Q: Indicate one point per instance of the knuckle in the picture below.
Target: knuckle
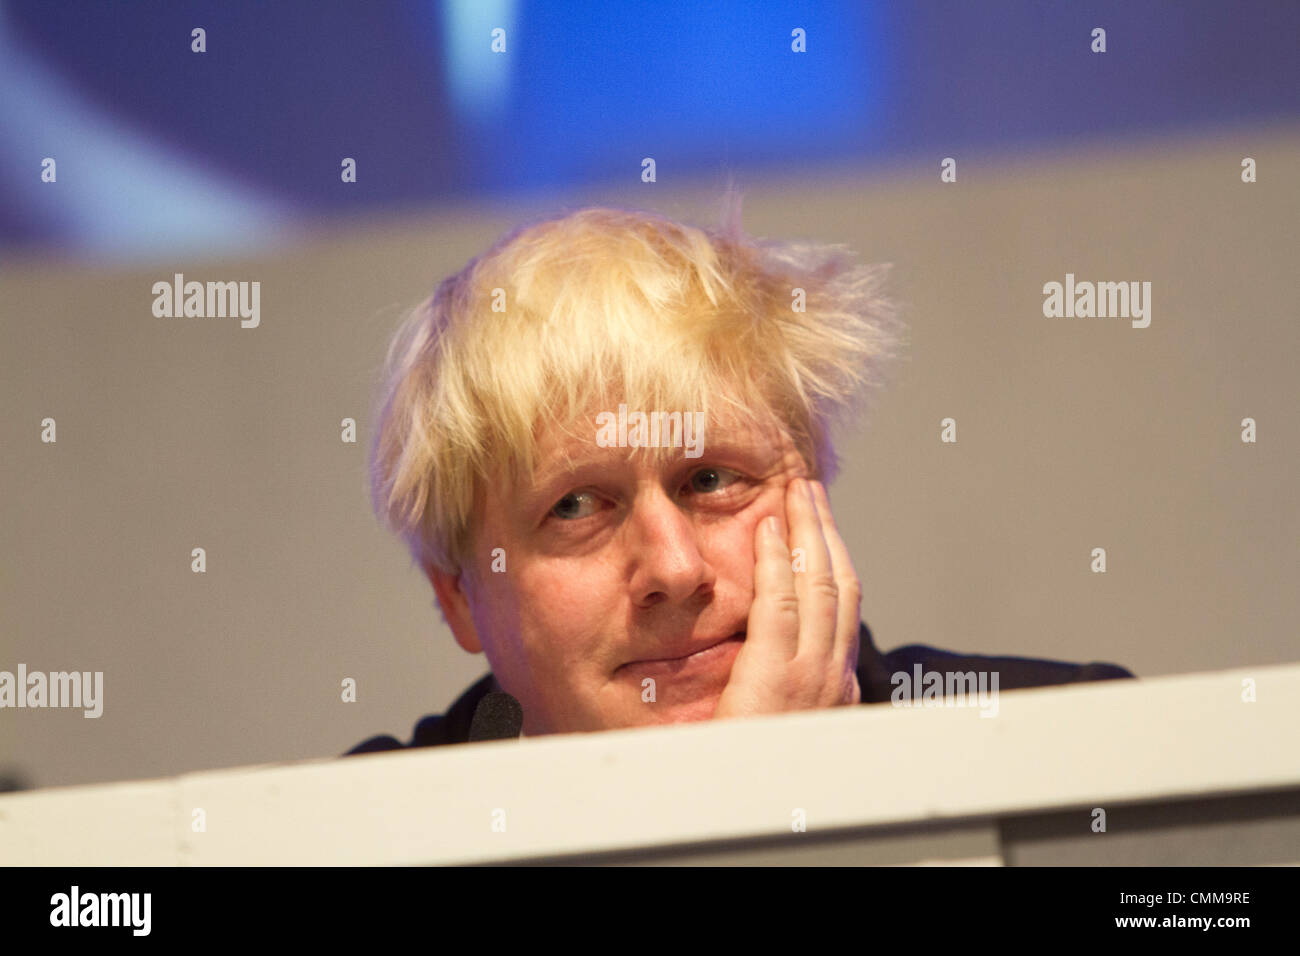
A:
(784, 603)
(824, 585)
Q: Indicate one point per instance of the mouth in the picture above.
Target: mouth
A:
(698, 652)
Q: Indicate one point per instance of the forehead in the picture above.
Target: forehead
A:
(563, 450)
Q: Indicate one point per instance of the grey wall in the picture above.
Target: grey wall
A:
(1072, 434)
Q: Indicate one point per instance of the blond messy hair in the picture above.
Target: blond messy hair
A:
(603, 303)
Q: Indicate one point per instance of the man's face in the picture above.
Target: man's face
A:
(615, 565)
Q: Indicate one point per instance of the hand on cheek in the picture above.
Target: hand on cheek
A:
(801, 646)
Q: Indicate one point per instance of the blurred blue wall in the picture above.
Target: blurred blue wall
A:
(159, 147)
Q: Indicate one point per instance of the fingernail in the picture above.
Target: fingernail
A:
(773, 525)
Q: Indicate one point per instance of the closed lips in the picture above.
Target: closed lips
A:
(698, 649)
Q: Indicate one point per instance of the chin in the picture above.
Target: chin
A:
(694, 711)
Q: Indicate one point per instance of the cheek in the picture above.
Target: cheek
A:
(495, 604)
(564, 602)
(732, 549)
(736, 546)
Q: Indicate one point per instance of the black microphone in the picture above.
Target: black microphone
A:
(498, 716)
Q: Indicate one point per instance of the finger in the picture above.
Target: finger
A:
(774, 616)
(849, 621)
(815, 583)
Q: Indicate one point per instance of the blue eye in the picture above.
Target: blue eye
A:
(716, 474)
(564, 507)
(581, 504)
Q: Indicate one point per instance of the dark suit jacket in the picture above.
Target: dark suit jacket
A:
(875, 671)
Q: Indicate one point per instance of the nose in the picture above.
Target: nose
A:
(664, 551)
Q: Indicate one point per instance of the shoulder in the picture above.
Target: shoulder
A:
(434, 730)
(1012, 672)
(430, 731)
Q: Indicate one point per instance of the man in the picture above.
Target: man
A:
(606, 442)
